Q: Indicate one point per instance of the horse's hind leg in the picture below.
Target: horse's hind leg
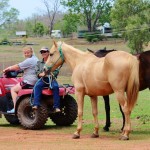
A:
(123, 117)
(95, 115)
(107, 110)
(123, 102)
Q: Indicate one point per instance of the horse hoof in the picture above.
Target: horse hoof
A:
(124, 138)
(94, 135)
(106, 129)
(75, 136)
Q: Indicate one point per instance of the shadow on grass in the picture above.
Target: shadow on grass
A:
(46, 127)
(9, 125)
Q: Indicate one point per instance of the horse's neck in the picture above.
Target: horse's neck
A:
(72, 56)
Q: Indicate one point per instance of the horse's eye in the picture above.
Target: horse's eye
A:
(51, 54)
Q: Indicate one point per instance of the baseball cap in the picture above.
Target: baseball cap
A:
(44, 49)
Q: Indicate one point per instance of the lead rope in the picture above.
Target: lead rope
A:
(50, 77)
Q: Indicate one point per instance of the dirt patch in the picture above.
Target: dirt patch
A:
(18, 138)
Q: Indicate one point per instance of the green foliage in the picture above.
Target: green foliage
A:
(7, 16)
(29, 27)
(38, 29)
(93, 36)
(5, 41)
(131, 18)
(71, 22)
(3, 8)
(92, 10)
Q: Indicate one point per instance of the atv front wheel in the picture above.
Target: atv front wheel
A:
(68, 114)
(32, 119)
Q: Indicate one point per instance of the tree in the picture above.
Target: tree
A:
(71, 22)
(38, 29)
(131, 18)
(7, 15)
(52, 7)
(92, 10)
(3, 7)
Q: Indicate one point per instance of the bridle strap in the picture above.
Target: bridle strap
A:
(61, 56)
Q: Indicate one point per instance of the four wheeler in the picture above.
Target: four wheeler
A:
(36, 119)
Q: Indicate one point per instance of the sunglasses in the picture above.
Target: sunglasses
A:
(43, 52)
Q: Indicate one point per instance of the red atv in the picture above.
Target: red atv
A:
(36, 119)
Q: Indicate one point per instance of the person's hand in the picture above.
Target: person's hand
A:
(7, 69)
(42, 74)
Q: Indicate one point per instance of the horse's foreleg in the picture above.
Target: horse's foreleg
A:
(107, 110)
(95, 115)
(80, 102)
(123, 102)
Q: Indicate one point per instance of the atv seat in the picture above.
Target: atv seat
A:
(31, 87)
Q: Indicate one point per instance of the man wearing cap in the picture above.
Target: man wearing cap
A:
(43, 82)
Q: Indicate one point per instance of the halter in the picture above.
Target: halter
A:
(61, 56)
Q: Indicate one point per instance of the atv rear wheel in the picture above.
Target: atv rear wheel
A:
(32, 119)
(68, 114)
(12, 119)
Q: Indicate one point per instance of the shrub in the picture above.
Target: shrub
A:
(93, 36)
(5, 41)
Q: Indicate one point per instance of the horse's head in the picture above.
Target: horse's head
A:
(56, 57)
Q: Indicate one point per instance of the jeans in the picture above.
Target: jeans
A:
(38, 91)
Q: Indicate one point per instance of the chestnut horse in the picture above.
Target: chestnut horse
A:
(117, 73)
(144, 77)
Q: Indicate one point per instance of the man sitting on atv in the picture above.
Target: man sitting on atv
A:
(45, 81)
(29, 76)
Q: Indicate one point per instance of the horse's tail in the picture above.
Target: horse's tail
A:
(133, 84)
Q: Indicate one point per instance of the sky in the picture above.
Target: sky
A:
(27, 7)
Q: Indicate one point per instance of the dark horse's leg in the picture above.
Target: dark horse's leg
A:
(122, 117)
(107, 110)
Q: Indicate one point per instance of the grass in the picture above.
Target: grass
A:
(139, 121)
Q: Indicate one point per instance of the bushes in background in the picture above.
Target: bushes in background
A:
(93, 36)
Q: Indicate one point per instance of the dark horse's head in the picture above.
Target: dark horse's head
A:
(101, 52)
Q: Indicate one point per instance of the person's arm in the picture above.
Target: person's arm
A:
(39, 70)
(14, 67)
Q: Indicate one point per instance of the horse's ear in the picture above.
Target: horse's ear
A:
(55, 43)
(90, 50)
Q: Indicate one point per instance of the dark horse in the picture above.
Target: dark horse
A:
(144, 77)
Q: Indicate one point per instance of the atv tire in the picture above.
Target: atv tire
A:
(68, 112)
(32, 119)
(12, 119)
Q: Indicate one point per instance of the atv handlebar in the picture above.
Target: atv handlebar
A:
(12, 73)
